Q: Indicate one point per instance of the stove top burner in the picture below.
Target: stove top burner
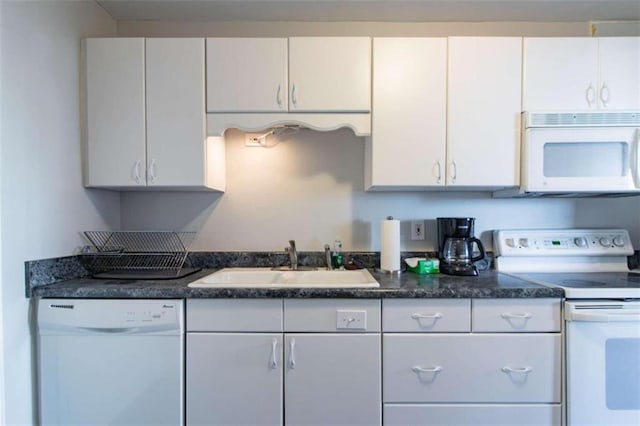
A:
(589, 284)
(582, 283)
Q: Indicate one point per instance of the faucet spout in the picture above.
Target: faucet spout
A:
(293, 254)
(327, 256)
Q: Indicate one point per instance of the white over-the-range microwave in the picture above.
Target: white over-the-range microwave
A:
(573, 154)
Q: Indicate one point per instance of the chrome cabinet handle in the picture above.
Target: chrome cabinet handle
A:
(418, 316)
(522, 370)
(454, 171)
(136, 172)
(605, 94)
(279, 96)
(274, 350)
(418, 369)
(292, 354)
(152, 171)
(590, 95)
(439, 176)
(508, 315)
(294, 95)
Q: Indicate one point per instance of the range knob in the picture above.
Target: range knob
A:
(510, 242)
(605, 242)
(580, 241)
(618, 241)
(524, 242)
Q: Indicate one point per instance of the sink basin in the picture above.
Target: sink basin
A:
(267, 278)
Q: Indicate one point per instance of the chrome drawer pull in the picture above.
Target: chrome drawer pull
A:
(517, 370)
(274, 354)
(426, 316)
(525, 316)
(418, 369)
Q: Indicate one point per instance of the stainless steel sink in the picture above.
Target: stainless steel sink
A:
(268, 278)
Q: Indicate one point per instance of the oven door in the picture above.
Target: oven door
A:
(581, 159)
(603, 363)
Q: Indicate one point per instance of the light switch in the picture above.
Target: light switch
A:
(351, 320)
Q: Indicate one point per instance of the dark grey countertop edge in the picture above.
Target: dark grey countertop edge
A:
(489, 284)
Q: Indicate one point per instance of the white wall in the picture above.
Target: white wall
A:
(44, 206)
(309, 187)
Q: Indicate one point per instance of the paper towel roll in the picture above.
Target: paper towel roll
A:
(390, 245)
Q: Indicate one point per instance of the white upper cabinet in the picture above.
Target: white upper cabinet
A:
(581, 73)
(146, 116)
(330, 74)
(619, 72)
(408, 143)
(116, 130)
(483, 117)
(247, 74)
(326, 74)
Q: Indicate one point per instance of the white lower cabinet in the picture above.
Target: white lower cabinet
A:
(249, 363)
(479, 362)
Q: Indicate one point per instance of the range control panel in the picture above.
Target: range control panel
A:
(562, 242)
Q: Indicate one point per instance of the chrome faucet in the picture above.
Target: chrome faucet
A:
(293, 254)
(327, 256)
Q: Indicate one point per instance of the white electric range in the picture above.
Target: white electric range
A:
(601, 311)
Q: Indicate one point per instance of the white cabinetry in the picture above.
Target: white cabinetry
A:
(479, 368)
(483, 111)
(326, 74)
(238, 359)
(145, 116)
(444, 110)
(408, 134)
(581, 73)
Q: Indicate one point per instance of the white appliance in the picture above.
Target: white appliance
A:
(602, 314)
(579, 154)
(116, 362)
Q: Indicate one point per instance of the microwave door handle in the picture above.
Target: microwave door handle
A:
(635, 160)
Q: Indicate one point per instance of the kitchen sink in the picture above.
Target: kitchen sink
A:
(268, 278)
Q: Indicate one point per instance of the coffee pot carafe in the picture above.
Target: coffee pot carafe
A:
(455, 246)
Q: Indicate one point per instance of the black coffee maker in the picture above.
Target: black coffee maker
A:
(455, 246)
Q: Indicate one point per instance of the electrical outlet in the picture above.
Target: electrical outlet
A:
(417, 229)
(255, 139)
(351, 320)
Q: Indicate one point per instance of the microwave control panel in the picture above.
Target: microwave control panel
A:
(562, 242)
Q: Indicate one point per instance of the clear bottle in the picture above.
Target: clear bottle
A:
(337, 258)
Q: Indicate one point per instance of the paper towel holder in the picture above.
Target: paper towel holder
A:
(391, 272)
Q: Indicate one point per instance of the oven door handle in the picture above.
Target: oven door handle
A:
(604, 317)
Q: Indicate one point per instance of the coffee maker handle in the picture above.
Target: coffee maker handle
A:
(480, 247)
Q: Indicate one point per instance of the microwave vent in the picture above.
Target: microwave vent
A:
(582, 119)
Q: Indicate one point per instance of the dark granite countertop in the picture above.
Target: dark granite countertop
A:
(489, 284)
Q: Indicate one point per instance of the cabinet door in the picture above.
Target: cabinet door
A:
(234, 379)
(330, 74)
(246, 74)
(484, 101)
(407, 148)
(560, 73)
(332, 379)
(115, 112)
(619, 72)
(175, 112)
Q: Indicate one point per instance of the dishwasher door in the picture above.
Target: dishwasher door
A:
(111, 362)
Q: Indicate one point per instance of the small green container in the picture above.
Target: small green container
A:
(425, 266)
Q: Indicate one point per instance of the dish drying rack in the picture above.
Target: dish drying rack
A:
(140, 254)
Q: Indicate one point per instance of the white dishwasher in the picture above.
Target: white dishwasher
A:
(111, 362)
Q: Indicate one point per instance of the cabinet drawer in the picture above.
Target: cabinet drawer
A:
(471, 368)
(257, 315)
(426, 315)
(331, 315)
(515, 315)
(472, 415)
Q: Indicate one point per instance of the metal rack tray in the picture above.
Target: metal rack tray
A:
(140, 254)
